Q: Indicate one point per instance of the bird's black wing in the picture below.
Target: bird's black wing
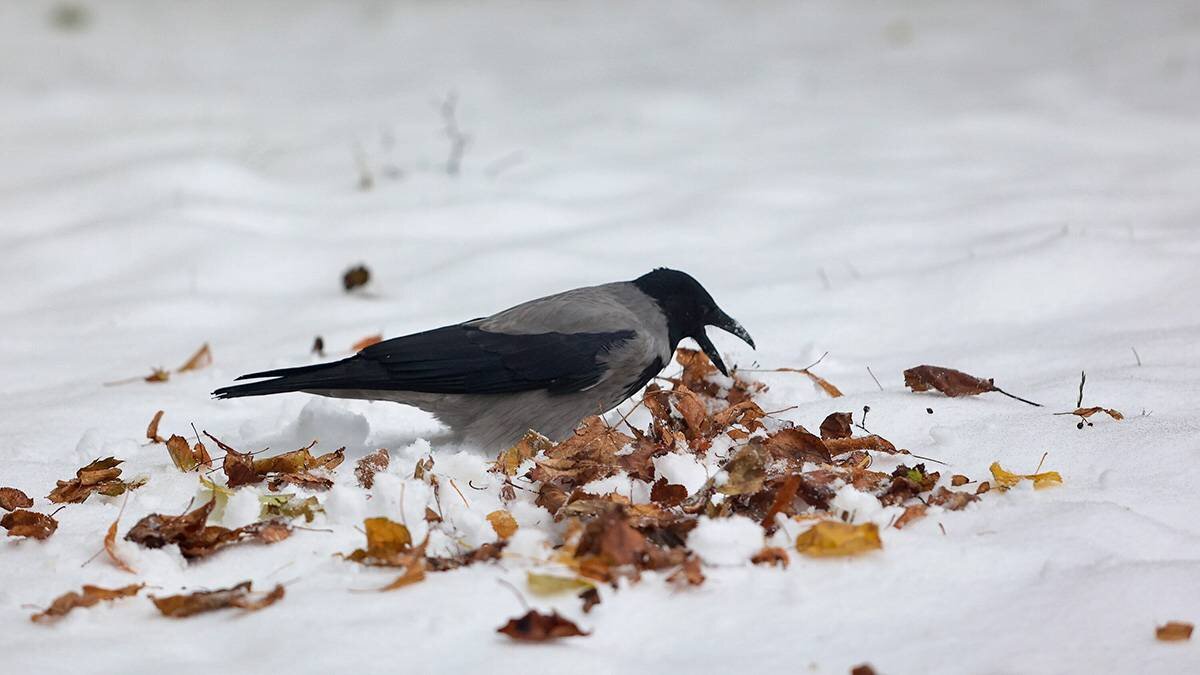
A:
(461, 359)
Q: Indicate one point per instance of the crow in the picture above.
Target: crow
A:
(543, 365)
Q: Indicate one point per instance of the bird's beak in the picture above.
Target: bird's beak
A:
(727, 324)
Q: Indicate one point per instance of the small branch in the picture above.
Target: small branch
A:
(874, 378)
(1082, 381)
(998, 390)
(1137, 356)
(458, 140)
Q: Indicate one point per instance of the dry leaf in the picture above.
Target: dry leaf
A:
(837, 425)
(771, 555)
(91, 595)
(197, 540)
(503, 523)
(366, 342)
(950, 382)
(829, 538)
(356, 277)
(911, 514)
(110, 547)
(689, 573)
(366, 467)
(667, 494)
(538, 627)
(102, 476)
(239, 597)
(388, 544)
(158, 375)
(798, 445)
(12, 499)
(414, 572)
(746, 471)
(22, 523)
(152, 430)
(550, 584)
(530, 445)
(201, 359)
(958, 479)
(1005, 479)
(862, 669)
(838, 446)
(186, 457)
(1174, 631)
(590, 598)
(287, 506)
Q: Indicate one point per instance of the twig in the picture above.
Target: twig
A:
(1137, 356)
(998, 390)
(874, 378)
(1082, 381)
(1041, 462)
(520, 598)
(460, 494)
(929, 459)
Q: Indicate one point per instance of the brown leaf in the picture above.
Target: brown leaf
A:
(611, 541)
(299, 461)
(771, 555)
(185, 457)
(688, 574)
(667, 494)
(388, 544)
(830, 538)
(239, 597)
(530, 445)
(366, 467)
(152, 430)
(366, 342)
(838, 446)
(414, 572)
(110, 547)
(958, 480)
(91, 595)
(1088, 412)
(201, 359)
(837, 425)
(304, 480)
(783, 497)
(1174, 631)
(798, 445)
(22, 523)
(911, 514)
(102, 476)
(983, 487)
(951, 500)
(355, 277)
(195, 539)
(862, 669)
(503, 523)
(12, 499)
(538, 627)
(950, 382)
(746, 470)
(590, 598)
(590, 453)
(158, 375)
(486, 553)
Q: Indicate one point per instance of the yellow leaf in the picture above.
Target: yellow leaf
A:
(830, 538)
(503, 523)
(551, 584)
(1006, 479)
(530, 445)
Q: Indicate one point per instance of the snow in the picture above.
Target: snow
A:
(1006, 189)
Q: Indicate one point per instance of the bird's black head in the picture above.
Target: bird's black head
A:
(689, 308)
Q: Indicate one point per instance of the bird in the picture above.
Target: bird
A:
(543, 365)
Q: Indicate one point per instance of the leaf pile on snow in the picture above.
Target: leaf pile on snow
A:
(102, 475)
(195, 538)
(291, 468)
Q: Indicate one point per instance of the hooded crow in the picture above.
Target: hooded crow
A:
(544, 365)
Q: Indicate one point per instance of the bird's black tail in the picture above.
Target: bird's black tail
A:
(319, 376)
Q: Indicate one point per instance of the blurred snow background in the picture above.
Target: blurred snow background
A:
(1005, 187)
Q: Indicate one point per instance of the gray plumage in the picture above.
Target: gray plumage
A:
(545, 364)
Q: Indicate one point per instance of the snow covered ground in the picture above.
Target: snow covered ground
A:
(1006, 188)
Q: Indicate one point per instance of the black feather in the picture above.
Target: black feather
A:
(461, 359)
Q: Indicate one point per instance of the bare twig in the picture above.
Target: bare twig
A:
(1082, 381)
(874, 378)
(1137, 356)
(458, 140)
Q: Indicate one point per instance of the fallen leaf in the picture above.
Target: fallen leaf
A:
(288, 506)
(911, 514)
(958, 479)
(862, 669)
(829, 538)
(746, 471)
(983, 487)
(1085, 413)
(489, 552)
(186, 457)
(201, 359)
(12, 499)
(1006, 479)
(771, 555)
(90, 595)
(551, 584)
(414, 572)
(366, 467)
(110, 547)
(590, 453)
(356, 277)
(838, 446)
(950, 382)
(388, 544)
(152, 430)
(196, 539)
(538, 627)
(366, 342)
(530, 445)
(951, 500)
(798, 445)
(1174, 631)
(239, 597)
(503, 523)
(102, 475)
(158, 375)
(590, 598)
(22, 523)
(837, 425)
(667, 494)
(689, 573)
